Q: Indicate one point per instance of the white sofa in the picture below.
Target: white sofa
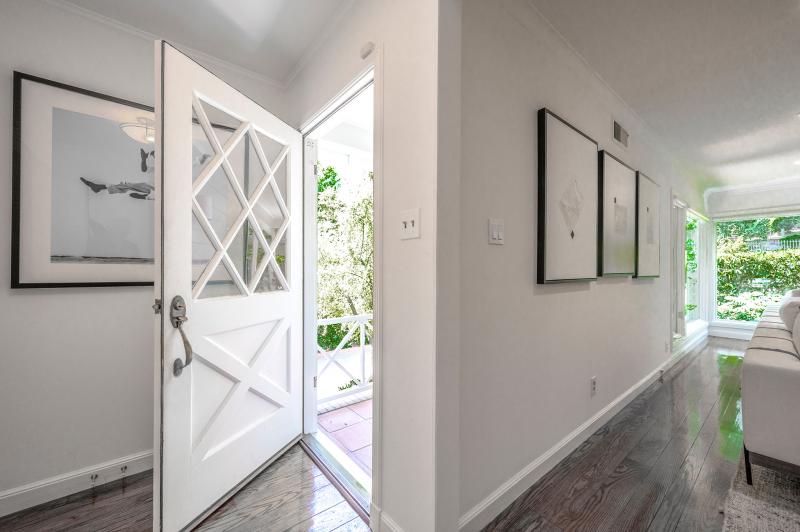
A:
(771, 396)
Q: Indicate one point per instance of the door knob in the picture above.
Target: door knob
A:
(177, 316)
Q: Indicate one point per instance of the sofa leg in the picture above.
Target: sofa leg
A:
(747, 469)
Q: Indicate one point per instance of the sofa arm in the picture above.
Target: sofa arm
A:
(771, 404)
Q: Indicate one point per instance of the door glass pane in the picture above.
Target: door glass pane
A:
(246, 252)
(268, 213)
(281, 255)
(222, 123)
(281, 178)
(219, 203)
(202, 250)
(246, 165)
(270, 282)
(272, 148)
(202, 152)
(220, 284)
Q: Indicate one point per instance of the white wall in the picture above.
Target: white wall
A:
(406, 36)
(529, 351)
(76, 378)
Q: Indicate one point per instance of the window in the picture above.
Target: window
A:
(758, 260)
(689, 270)
(691, 267)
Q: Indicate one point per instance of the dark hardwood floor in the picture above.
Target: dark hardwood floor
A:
(292, 494)
(665, 462)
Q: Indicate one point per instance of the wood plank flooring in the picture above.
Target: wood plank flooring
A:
(665, 462)
(292, 494)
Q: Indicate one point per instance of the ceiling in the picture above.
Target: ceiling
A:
(268, 37)
(717, 80)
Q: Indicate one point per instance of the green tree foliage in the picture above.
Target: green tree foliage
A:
(345, 257)
(748, 281)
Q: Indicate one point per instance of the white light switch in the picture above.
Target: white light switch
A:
(497, 230)
(409, 224)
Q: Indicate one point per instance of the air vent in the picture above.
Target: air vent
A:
(620, 134)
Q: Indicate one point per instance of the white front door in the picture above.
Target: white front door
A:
(229, 195)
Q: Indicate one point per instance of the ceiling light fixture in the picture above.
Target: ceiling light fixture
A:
(143, 130)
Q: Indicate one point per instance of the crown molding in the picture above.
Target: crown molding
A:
(201, 56)
(748, 188)
(313, 49)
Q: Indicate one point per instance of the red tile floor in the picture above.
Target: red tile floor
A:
(350, 427)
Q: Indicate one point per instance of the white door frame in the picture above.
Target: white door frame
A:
(371, 73)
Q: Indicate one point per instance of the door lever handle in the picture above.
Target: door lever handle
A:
(177, 316)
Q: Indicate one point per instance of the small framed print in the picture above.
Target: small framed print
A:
(82, 186)
(648, 228)
(617, 217)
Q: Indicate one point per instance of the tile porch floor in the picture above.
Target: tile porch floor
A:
(350, 427)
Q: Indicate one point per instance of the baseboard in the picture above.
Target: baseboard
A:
(482, 513)
(380, 522)
(737, 330)
(35, 493)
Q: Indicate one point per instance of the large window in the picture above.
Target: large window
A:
(758, 260)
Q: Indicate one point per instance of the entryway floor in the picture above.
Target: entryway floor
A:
(664, 462)
(292, 495)
(350, 428)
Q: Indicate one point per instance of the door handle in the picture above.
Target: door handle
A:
(177, 315)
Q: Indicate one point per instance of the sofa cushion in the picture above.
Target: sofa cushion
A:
(790, 308)
(796, 334)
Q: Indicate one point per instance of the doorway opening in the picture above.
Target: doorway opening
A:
(339, 184)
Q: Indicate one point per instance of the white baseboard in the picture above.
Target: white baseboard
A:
(480, 515)
(19, 498)
(380, 522)
(738, 330)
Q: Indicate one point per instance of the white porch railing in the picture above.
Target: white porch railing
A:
(770, 245)
(342, 359)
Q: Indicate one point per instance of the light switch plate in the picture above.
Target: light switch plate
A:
(409, 224)
(497, 231)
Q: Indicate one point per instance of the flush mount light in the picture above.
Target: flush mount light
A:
(797, 163)
(143, 130)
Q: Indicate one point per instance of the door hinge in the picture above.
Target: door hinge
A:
(157, 307)
(315, 382)
(316, 169)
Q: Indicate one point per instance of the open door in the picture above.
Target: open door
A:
(229, 353)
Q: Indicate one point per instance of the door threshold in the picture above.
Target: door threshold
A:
(352, 489)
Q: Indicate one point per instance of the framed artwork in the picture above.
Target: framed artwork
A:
(567, 202)
(616, 216)
(648, 228)
(82, 187)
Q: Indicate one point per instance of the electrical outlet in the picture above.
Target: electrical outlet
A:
(594, 386)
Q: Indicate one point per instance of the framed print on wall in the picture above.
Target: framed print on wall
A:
(567, 202)
(82, 187)
(616, 234)
(648, 228)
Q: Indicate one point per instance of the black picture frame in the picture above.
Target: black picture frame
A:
(16, 180)
(637, 275)
(600, 213)
(541, 215)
